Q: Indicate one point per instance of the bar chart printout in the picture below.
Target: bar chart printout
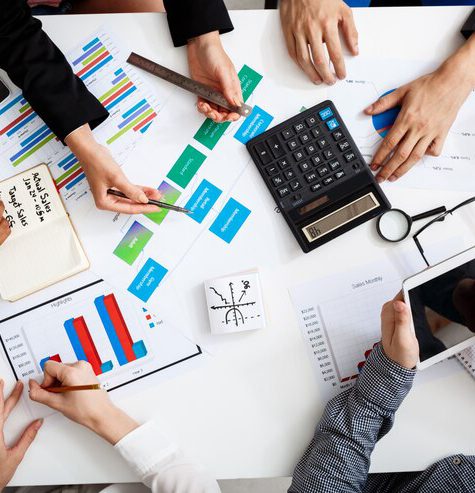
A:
(93, 323)
(25, 140)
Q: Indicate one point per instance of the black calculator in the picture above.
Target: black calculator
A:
(316, 174)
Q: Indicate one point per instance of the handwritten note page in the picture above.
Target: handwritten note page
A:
(42, 247)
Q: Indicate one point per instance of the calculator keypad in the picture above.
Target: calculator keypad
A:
(308, 155)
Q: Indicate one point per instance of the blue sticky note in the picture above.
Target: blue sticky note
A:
(332, 124)
(230, 220)
(253, 125)
(200, 203)
(147, 280)
(325, 113)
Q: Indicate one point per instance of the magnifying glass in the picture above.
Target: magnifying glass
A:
(395, 225)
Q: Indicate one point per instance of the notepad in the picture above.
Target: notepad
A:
(235, 303)
(467, 359)
(43, 247)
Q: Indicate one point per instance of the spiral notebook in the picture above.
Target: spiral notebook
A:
(467, 359)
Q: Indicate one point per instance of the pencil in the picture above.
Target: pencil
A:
(72, 388)
(158, 203)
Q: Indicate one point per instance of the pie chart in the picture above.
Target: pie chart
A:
(383, 122)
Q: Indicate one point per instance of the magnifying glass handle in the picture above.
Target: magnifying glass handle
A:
(430, 213)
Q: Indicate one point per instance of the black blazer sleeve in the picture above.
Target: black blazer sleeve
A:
(469, 27)
(36, 65)
(190, 18)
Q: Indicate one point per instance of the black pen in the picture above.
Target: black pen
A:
(162, 205)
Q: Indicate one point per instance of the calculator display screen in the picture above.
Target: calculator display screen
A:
(341, 216)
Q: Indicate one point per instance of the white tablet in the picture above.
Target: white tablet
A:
(442, 304)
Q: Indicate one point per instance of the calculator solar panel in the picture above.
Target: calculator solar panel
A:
(317, 175)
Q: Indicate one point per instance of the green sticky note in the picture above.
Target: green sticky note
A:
(133, 243)
(249, 79)
(186, 166)
(210, 132)
(169, 195)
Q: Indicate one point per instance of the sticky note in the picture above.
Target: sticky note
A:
(170, 195)
(202, 200)
(147, 280)
(253, 125)
(133, 243)
(186, 166)
(230, 220)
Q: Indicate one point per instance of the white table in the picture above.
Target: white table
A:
(252, 408)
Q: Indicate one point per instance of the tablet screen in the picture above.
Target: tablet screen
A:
(443, 310)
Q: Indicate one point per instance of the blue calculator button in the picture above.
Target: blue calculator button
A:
(332, 124)
(325, 113)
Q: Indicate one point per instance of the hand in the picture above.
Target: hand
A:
(103, 173)
(210, 65)
(4, 225)
(399, 340)
(90, 408)
(429, 106)
(10, 458)
(310, 23)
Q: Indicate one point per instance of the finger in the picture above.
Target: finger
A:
(350, 33)
(386, 102)
(133, 192)
(23, 444)
(402, 320)
(320, 60)
(400, 156)
(124, 206)
(12, 400)
(38, 394)
(152, 193)
(231, 86)
(387, 322)
(304, 60)
(389, 144)
(2, 208)
(416, 155)
(436, 146)
(203, 107)
(332, 40)
(399, 296)
(290, 42)
(2, 399)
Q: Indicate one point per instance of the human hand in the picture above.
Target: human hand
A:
(4, 225)
(310, 23)
(10, 458)
(90, 408)
(429, 106)
(103, 172)
(209, 64)
(399, 340)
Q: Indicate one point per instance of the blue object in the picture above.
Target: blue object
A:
(139, 349)
(110, 330)
(253, 125)
(332, 124)
(147, 280)
(202, 200)
(74, 340)
(325, 113)
(230, 220)
(96, 68)
(107, 366)
(120, 98)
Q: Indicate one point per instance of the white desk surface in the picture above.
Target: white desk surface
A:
(252, 408)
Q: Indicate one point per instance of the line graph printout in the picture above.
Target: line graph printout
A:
(367, 81)
(339, 317)
(93, 322)
(25, 140)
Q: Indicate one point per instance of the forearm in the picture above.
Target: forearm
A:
(462, 64)
(338, 457)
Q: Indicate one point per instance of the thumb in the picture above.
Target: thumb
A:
(387, 323)
(402, 319)
(26, 439)
(133, 192)
(385, 102)
(39, 394)
(231, 87)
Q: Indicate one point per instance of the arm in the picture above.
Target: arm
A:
(160, 464)
(198, 24)
(338, 456)
(429, 106)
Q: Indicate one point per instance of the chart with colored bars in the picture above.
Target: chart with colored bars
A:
(25, 140)
(199, 167)
(370, 80)
(121, 340)
(339, 318)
